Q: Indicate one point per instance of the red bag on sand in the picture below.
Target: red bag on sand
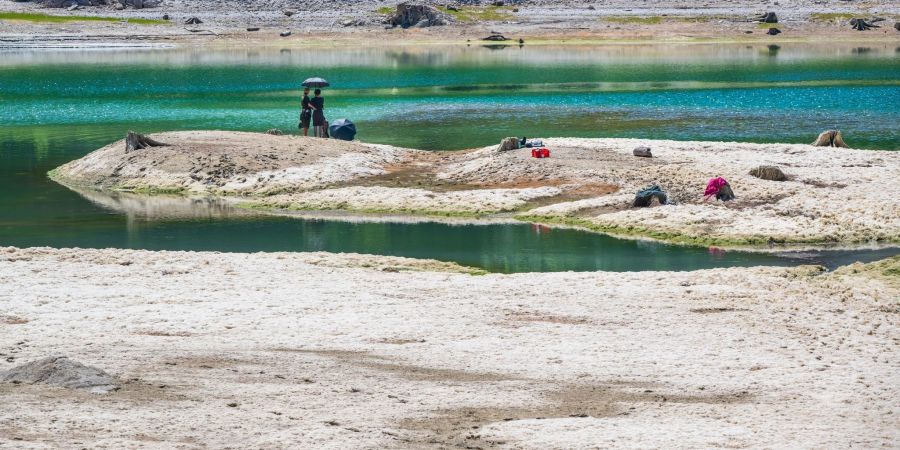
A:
(545, 152)
(540, 152)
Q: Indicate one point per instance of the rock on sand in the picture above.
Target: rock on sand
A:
(62, 371)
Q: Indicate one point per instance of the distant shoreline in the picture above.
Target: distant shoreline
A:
(536, 22)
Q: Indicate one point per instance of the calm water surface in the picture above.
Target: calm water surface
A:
(58, 106)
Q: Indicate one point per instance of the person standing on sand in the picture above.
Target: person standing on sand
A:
(305, 112)
(318, 113)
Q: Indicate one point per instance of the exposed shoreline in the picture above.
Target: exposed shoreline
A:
(536, 22)
(312, 348)
(587, 183)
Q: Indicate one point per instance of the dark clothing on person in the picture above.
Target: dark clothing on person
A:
(318, 116)
(305, 117)
(305, 112)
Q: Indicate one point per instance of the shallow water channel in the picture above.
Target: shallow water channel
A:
(56, 106)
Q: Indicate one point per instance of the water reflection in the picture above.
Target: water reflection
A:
(721, 54)
(163, 207)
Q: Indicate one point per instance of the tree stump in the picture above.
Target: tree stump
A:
(862, 25)
(643, 152)
(830, 138)
(135, 141)
(768, 17)
(771, 173)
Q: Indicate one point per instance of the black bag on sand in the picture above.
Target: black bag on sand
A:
(725, 193)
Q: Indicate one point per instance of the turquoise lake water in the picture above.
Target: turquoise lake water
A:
(58, 106)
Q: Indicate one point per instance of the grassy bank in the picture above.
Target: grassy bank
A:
(678, 238)
(47, 18)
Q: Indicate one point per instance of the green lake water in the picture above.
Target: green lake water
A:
(56, 106)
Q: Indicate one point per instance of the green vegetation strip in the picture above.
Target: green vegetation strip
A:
(833, 16)
(46, 18)
(676, 238)
(639, 20)
(469, 14)
(267, 206)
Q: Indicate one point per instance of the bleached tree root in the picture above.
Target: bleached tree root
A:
(135, 141)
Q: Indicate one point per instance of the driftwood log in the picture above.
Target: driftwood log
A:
(643, 152)
(830, 138)
(771, 173)
(135, 141)
(862, 25)
(496, 37)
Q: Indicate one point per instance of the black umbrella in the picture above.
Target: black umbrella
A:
(342, 129)
(315, 82)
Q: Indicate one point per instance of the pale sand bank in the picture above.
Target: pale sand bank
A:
(833, 195)
(350, 23)
(315, 351)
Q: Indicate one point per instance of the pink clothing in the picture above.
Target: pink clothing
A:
(712, 188)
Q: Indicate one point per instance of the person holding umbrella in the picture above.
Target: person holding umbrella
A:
(305, 112)
(317, 105)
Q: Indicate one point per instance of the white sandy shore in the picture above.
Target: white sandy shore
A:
(833, 195)
(316, 351)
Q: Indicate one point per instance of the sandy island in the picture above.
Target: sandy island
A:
(319, 350)
(832, 195)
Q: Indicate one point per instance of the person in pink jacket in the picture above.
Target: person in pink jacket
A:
(719, 187)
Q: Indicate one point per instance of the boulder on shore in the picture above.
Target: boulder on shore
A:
(771, 173)
(62, 371)
(495, 37)
(830, 138)
(768, 17)
(417, 15)
(510, 143)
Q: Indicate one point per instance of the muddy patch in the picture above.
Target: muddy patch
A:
(412, 372)
(518, 318)
(399, 341)
(460, 427)
(163, 333)
(13, 320)
(716, 310)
